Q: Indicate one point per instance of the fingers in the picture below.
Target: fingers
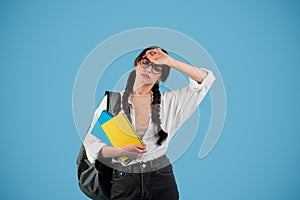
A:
(149, 55)
(134, 151)
(153, 53)
(140, 149)
(157, 56)
(135, 148)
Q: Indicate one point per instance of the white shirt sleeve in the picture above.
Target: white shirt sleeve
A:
(92, 144)
(178, 105)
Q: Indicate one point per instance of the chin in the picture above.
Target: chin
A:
(146, 82)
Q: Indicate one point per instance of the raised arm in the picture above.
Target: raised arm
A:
(178, 105)
(159, 57)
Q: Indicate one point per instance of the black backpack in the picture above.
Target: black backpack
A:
(95, 180)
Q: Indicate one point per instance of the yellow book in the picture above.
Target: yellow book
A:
(120, 133)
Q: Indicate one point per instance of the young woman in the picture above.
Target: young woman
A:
(156, 117)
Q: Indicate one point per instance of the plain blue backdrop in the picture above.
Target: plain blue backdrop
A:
(255, 45)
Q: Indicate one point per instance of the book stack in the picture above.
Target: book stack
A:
(116, 131)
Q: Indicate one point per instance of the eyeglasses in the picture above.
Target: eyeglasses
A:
(156, 69)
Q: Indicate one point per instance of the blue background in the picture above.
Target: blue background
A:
(255, 45)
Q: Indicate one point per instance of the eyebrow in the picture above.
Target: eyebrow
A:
(145, 58)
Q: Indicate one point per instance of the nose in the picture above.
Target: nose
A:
(148, 69)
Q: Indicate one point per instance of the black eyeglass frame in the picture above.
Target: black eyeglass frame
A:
(155, 68)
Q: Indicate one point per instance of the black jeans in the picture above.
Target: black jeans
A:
(140, 183)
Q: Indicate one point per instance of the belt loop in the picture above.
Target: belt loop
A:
(150, 164)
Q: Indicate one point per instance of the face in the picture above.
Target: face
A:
(147, 72)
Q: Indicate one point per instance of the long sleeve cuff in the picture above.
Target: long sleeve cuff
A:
(206, 83)
(93, 147)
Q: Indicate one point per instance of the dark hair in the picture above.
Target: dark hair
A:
(155, 105)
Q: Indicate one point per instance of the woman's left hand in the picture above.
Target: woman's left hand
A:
(157, 56)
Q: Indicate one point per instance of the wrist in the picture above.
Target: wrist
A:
(203, 73)
(171, 62)
(120, 151)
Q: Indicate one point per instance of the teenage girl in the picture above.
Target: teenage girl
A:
(155, 117)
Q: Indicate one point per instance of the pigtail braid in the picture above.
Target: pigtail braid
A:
(128, 91)
(155, 113)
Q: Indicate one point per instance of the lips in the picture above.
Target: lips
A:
(145, 76)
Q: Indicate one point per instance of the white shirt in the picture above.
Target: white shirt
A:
(176, 107)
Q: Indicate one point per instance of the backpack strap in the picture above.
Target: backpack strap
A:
(113, 102)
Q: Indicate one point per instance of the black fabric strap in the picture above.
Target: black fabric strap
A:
(113, 102)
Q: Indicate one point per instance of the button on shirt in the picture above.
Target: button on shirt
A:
(176, 107)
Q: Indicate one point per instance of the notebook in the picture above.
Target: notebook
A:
(98, 131)
(120, 133)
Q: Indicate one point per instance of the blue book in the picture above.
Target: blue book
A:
(97, 129)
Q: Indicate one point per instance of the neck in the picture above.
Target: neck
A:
(144, 89)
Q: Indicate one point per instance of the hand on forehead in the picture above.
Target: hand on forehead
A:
(153, 52)
(156, 55)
